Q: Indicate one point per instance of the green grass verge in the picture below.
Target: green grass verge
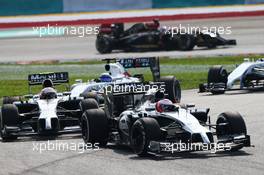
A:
(190, 71)
(20, 87)
(223, 60)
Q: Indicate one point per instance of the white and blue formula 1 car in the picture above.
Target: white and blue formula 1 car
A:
(116, 74)
(48, 113)
(250, 74)
(148, 122)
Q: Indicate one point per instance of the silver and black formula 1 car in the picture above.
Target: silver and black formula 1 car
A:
(250, 74)
(147, 122)
(116, 73)
(48, 113)
(151, 37)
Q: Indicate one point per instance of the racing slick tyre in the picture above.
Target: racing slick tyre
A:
(103, 44)
(9, 117)
(95, 127)
(94, 95)
(185, 42)
(232, 124)
(143, 131)
(217, 74)
(10, 100)
(172, 88)
(88, 103)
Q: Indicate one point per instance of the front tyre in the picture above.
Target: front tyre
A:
(9, 117)
(143, 131)
(230, 124)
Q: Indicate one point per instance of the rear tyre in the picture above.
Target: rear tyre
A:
(88, 103)
(103, 44)
(172, 88)
(143, 131)
(9, 117)
(10, 100)
(95, 127)
(94, 95)
(235, 125)
(217, 74)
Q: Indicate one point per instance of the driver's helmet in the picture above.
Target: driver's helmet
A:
(165, 105)
(47, 83)
(105, 77)
(48, 93)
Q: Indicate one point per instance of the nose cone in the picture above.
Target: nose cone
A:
(48, 119)
(47, 125)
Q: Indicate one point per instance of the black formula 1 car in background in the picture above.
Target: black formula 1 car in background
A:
(151, 37)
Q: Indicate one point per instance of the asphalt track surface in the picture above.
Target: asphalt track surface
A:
(20, 157)
(249, 32)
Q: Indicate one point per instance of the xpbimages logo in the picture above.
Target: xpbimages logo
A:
(133, 88)
(181, 147)
(194, 30)
(79, 147)
(80, 31)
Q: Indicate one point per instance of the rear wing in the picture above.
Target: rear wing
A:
(151, 62)
(56, 77)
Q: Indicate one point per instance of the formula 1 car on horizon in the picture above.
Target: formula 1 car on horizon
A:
(148, 122)
(151, 37)
(116, 73)
(250, 74)
(48, 113)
